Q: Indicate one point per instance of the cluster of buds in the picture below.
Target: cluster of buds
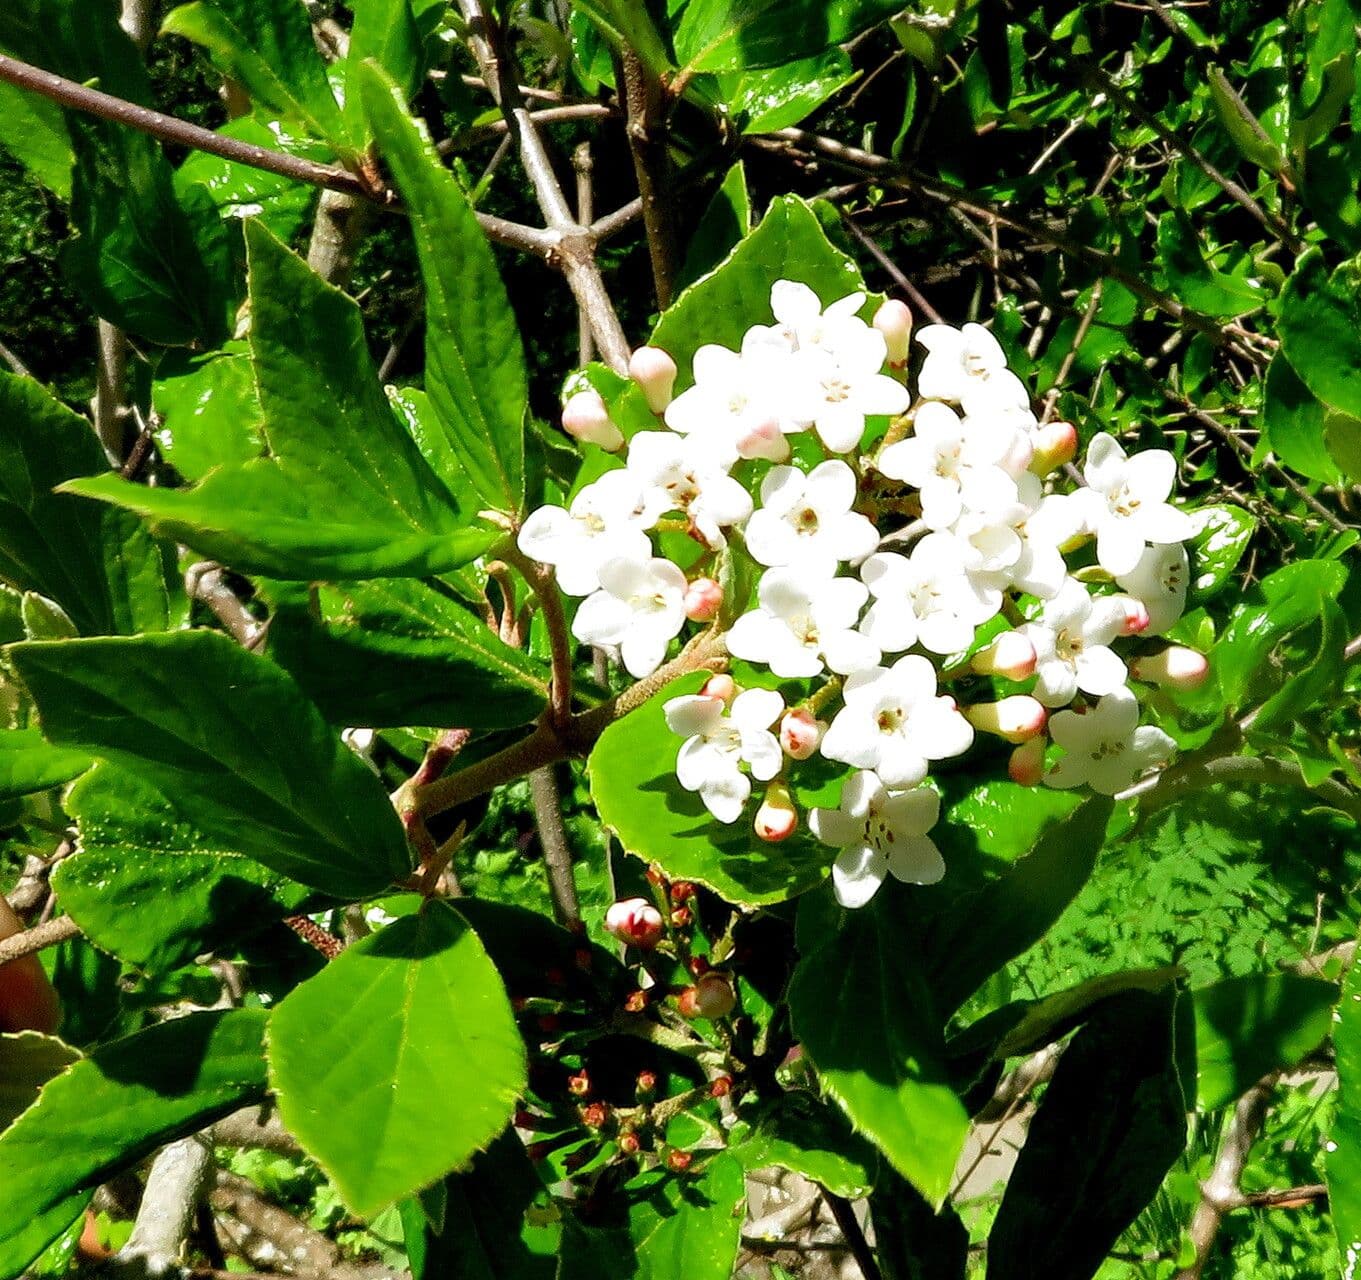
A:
(884, 609)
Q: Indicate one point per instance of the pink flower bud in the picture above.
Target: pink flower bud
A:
(1173, 668)
(894, 321)
(1017, 459)
(1010, 655)
(712, 996)
(1055, 443)
(722, 686)
(585, 418)
(702, 598)
(777, 818)
(764, 440)
(1026, 765)
(800, 733)
(635, 921)
(1135, 614)
(1016, 719)
(655, 372)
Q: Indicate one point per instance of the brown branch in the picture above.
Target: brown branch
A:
(645, 99)
(871, 246)
(207, 583)
(38, 938)
(557, 853)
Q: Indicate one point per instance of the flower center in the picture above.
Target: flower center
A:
(835, 391)
(593, 523)
(878, 833)
(1067, 645)
(806, 521)
(683, 488)
(890, 719)
(805, 631)
(1123, 502)
(1106, 749)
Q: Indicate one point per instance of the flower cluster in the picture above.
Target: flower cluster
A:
(954, 546)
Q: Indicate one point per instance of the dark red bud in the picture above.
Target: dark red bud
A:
(720, 1087)
(678, 1161)
(594, 1115)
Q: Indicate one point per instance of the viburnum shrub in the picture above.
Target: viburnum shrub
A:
(792, 775)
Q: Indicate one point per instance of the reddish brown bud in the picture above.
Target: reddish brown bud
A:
(720, 1087)
(712, 996)
(654, 876)
(636, 1002)
(579, 1085)
(628, 1143)
(678, 1161)
(697, 965)
(682, 890)
(549, 1023)
(647, 1082)
(595, 1115)
(680, 917)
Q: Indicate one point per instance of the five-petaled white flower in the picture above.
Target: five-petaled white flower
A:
(1125, 503)
(801, 322)
(806, 520)
(689, 474)
(1072, 645)
(803, 622)
(927, 599)
(968, 367)
(1106, 747)
(737, 402)
(955, 469)
(893, 722)
(716, 745)
(605, 521)
(834, 393)
(879, 832)
(1160, 580)
(639, 608)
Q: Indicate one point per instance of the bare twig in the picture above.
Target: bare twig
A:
(871, 246)
(38, 938)
(254, 1128)
(584, 166)
(645, 98)
(173, 1187)
(1080, 336)
(16, 365)
(844, 1213)
(207, 582)
(557, 854)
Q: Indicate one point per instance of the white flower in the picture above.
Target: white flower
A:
(879, 832)
(716, 744)
(968, 367)
(928, 599)
(1040, 569)
(801, 323)
(1072, 645)
(807, 520)
(1125, 503)
(605, 521)
(736, 401)
(802, 622)
(955, 469)
(893, 722)
(687, 473)
(836, 387)
(1106, 747)
(1159, 580)
(640, 606)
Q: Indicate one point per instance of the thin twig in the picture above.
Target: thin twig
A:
(645, 98)
(557, 854)
(38, 938)
(871, 246)
(15, 364)
(177, 1179)
(1079, 337)
(844, 1213)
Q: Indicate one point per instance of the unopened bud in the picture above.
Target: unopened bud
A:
(646, 1082)
(595, 1115)
(678, 1161)
(1133, 614)
(585, 418)
(764, 440)
(635, 1002)
(722, 686)
(720, 1086)
(800, 733)
(1011, 655)
(777, 818)
(1174, 668)
(1019, 455)
(697, 965)
(712, 996)
(682, 891)
(1026, 765)
(636, 922)
(1016, 719)
(681, 917)
(655, 372)
(628, 1142)
(579, 1085)
(702, 599)
(1054, 444)
(894, 321)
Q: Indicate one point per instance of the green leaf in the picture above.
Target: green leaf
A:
(475, 370)
(800, 1133)
(1244, 129)
(1342, 436)
(628, 27)
(407, 1034)
(913, 1242)
(146, 885)
(1222, 536)
(33, 130)
(27, 1062)
(250, 762)
(105, 573)
(240, 191)
(1342, 1162)
(633, 782)
(1111, 1123)
(863, 1007)
(401, 652)
(726, 35)
(1020, 906)
(268, 46)
(29, 763)
(482, 1234)
(209, 410)
(684, 1227)
(1194, 281)
(1248, 1026)
(1308, 683)
(726, 219)
(108, 1111)
(1320, 330)
(343, 492)
(782, 96)
(1339, 80)
(389, 33)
